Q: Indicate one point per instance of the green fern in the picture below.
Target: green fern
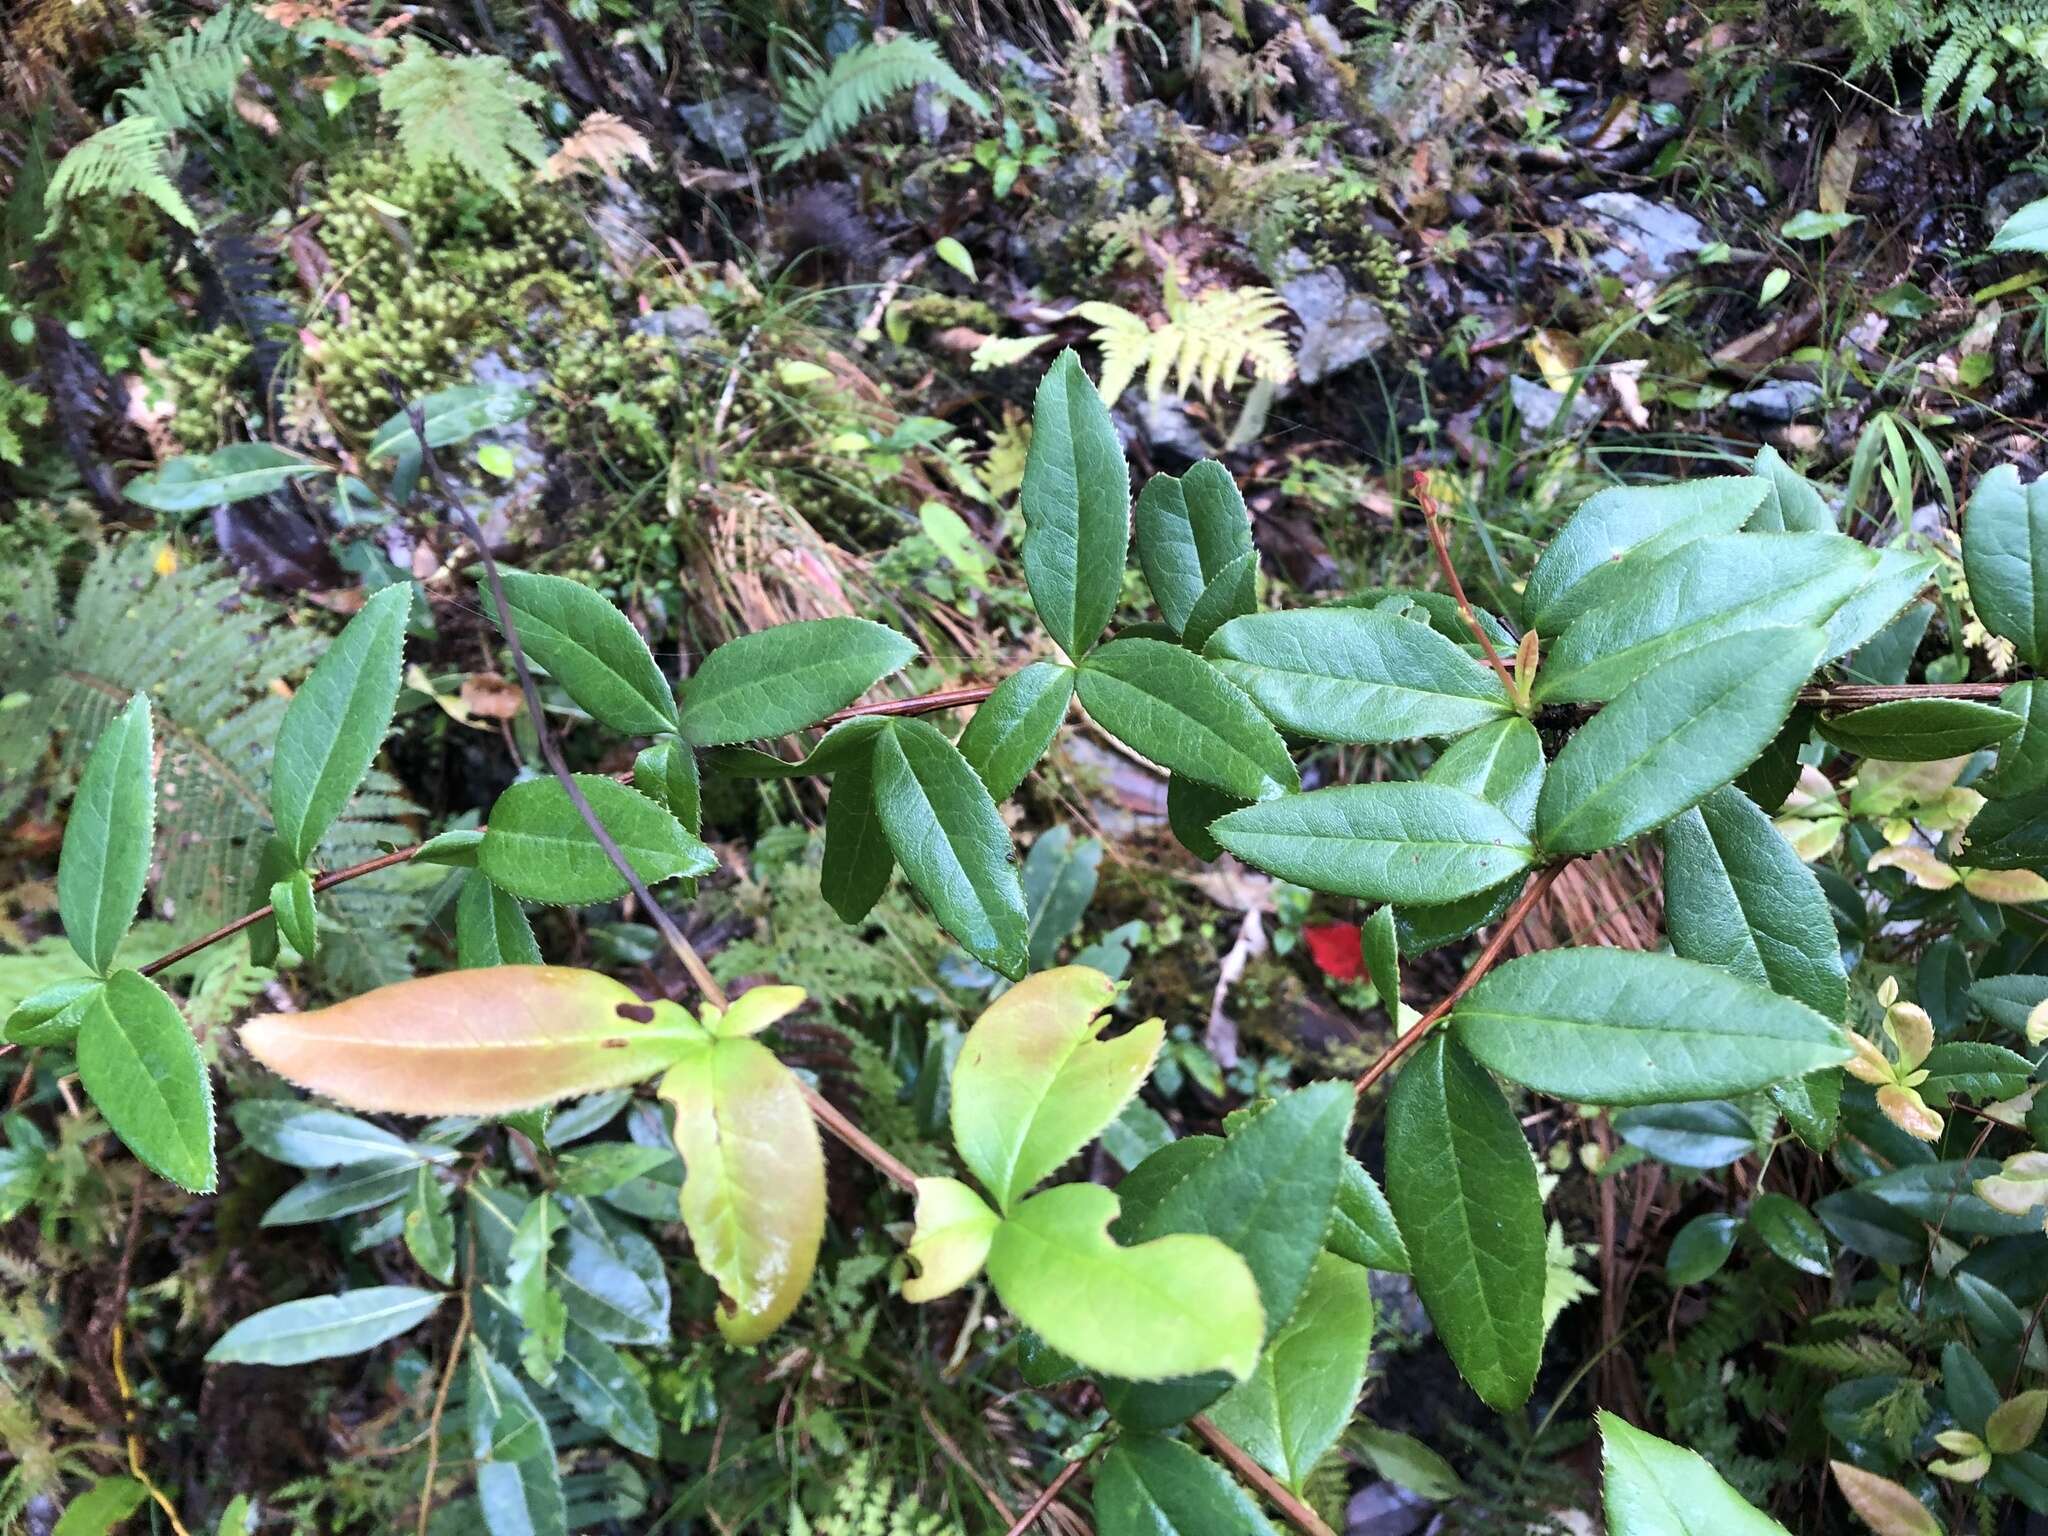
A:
(825, 105)
(195, 73)
(128, 158)
(864, 1504)
(1856, 1357)
(1205, 341)
(468, 111)
(209, 657)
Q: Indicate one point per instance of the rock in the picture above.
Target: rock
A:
(1538, 406)
(683, 323)
(1386, 1509)
(731, 124)
(1339, 326)
(1165, 426)
(1780, 400)
(1646, 239)
(2009, 196)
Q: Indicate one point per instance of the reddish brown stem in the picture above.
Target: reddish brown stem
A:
(1048, 1498)
(1443, 558)
(1857, 695)
(1513, 919)
(1298, 1514)
(923, 704)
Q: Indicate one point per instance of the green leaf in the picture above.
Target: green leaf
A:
(1677, 733)
(1076, 500)
(754, 1200)
(858, 860)
(1812, 224)
(2007, 1000)
(1347, 674)
(2005, 558)
(109, 838)
(343, 1192)
(336, 722)
(2026, 229)
(1501, 763)
(1167, 704)
(450, 416)
(1737, 895)
(2023, 756)
(666, 773)
(592, 650)
(1616, 1026)
(143, 1069)
(1462, 1185)
(1380, 842)
(1701, 1248)
(234, 1520)
(1233, 594)
(102, 1507)
(54, 1015)
(324, 1327)
(951, 842)
(1362, 1227)
(1791, 504)
(1920, 730)
(611, 1280)
(1013, 726)
(1702, 1133)
(954, 255)
(2008, 834)
(537, 846)
(1381, 952)
(429, 1228)
(1191, 809)
(1300, 1397)
(782, 679)
(1940, 1194)
(292, 908)
(1713, 587)
(1034, 1084)
(1177, 1306)
(1870, 609)
(1655, 1488)
(455, 848)
(194, 482)
(1406, 1462)
(1059, 881)
(1189, 531)
(1789, 1230)
(491, 927)
(1581, 565)
(1148, 1485)
(518, 1484)
(951, 1241)
(846, 742)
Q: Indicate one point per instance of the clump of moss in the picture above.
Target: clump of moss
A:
(436, 270)
(201, 373)
(1335, 232)
(620, 388)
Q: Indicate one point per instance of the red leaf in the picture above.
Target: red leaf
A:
(1338, 949)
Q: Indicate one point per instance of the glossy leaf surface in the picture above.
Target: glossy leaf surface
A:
(139, 1062)
(592, 650)
(1076, 500)
(778, 680)
(1167, 704)
(538, 847)
(109, 838)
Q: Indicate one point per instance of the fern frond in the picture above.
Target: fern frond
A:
(469, 111)
(603, 142)
(1205, 341)
(126, 158)
(1951, 59)
(195, 73)
(1857, 1356)
(825, 105)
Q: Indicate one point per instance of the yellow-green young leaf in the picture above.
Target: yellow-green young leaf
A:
(954, 255)
(1176, 1306)
(1169, 705)
(1920, 730)
(947, 834)
(1300, 1397)
(2005, 558)
(291, 904)
(1462, 1185)
(143, 1069)
(480, 1042)
(109, 838)
(1014, 725)
(592, 650)
(1422, 843)
(1618, 1026)
(1681, 730)
(1189, 531)
(1655, 1488)
(336, 722)
(1888, 1508)
(1076, 500)
(1580, 567)
(538, 846)
(1348, 674)
(954, 1230)
(1152, 1486)
(491, 927)
(754, 1197)
(1034, 1085)
(2016, 1423)
(103, 1506)
(779, 680)
(753, 1011)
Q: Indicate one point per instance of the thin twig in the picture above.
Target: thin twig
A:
(959, 1459)
(441, 1395)
(135, 1466)
(1857, 695)
(923, 704)
(1298, 1514)
(1049, 1497)
(1443, 558)
(1513, 919)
